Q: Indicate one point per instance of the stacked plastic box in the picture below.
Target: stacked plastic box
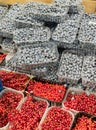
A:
(35, 60)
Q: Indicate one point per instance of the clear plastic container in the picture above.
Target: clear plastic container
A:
(24, 19)
(46, 113)
(61, 2)
(65, 33)
(24, 100)
(7, 27)
(47, 12)
(89, 72)
(27, 82)
(87, 17)
(7, 24)
(70, 68)
(79, 115)
(87, 34)
(73, 90)
(49, 52)
(3, 60)
(13, 91)
(31, 35)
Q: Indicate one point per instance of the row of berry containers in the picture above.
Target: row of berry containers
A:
(53, 92)
(71, 96)
(53, 117)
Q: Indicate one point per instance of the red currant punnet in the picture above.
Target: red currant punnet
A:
(52, 92)
(29, 116)
(85, 123)
(8, 102)
(14, 80)
(57, 119)
(81, 102)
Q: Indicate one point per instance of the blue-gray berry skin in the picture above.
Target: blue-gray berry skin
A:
(31, 35)
(7, 24)
(35, 59)
(89, 72)
(47, 12)
(87, 33)
(65, 33)
(70, 68)
(3, 11)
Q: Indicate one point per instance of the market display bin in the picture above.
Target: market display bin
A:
(47, 12)
(31, 35)
(29, 77)
(73, 91)
(35, 60)
(35, 98)
(80, 114)
(59, 89)
(46, 113)
(88, 71)
(13, 91)
(65, 34)
(24, 100)
(87, 34)
(70, 66)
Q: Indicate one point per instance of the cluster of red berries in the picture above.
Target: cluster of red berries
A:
(85, 123)
(30, 86)
(8, 102)
(57, 119)
(14, 80)
(81, 102)
(29, 116)
(52, 92)
(2, 57)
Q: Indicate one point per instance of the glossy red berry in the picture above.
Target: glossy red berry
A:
(85, 123)
(29, 116)
(52, 92)
(14, 80)
(81, 102)
(8, 102)
(57, 119)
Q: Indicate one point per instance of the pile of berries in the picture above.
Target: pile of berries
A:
(2, 57)
(85, 123)
(57, 119)
(29, 116)
(14, 80)
(52, 92)
(8, 102)
(81, 102)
